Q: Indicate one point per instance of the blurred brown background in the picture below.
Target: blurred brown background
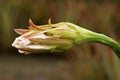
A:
(84, 62)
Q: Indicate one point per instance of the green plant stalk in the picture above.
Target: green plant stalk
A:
(89, 36)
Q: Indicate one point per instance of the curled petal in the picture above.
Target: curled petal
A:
(49, 21)
(32, 25)
(21, 31)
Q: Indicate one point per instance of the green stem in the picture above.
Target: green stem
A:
(100, 38)
(89, 36)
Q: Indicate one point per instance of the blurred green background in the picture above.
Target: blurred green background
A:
(84, 62)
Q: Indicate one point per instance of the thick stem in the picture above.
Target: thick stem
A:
(89, 36)
(100, 38)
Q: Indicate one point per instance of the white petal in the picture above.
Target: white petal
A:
(43, 36)
(20, 51)
(16, 42)
(19, 41)
(37, 47)
(24, 42)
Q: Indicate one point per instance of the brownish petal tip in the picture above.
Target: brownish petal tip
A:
(21, 31)
(32, 25)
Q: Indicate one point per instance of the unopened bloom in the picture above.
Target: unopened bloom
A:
(43, 38)
(57, 38)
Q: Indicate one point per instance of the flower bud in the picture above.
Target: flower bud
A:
(57, 38)
(40, 39)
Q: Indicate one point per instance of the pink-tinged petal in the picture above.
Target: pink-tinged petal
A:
(32, 25)
(39, 35)
(21, 31)
(34, 48)
(51, 41)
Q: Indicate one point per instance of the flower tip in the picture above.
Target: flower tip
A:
(21, 31)
(32, 25)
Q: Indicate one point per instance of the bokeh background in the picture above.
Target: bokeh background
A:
(91, 61)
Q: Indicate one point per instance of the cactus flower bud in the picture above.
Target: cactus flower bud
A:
(57, 38)
(39, 39)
